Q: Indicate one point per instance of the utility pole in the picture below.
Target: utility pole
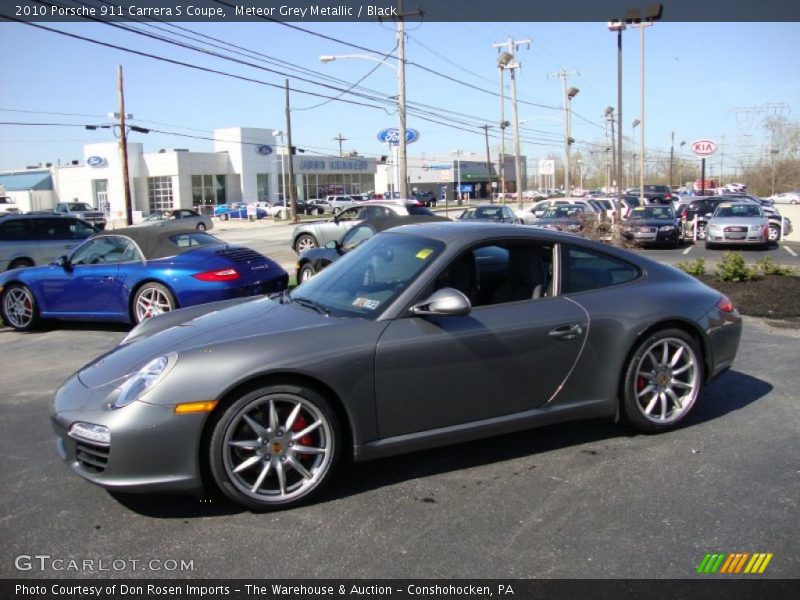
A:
(292, 188)
(123, 149)
(402, 156)
(507, 60)
(671, 155)
(503, 124)
(488, 159)
(340, 139)
(563, 74)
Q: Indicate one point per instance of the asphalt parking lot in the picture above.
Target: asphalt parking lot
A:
(586, 499)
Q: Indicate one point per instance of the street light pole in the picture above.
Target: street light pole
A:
(641, 25)
(401, 100)
(502, 161)
(619, 27)
(282, 196)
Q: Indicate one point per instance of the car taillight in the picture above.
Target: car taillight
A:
(725, 304)
(667, 196)
(220, 275)
(685, 214)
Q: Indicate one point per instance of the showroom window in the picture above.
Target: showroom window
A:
(208, 189)
(262, 187)
(159, 193)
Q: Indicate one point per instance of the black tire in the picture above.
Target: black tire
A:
(306, 272)
(709, 245)
(223, 217)
(19, 307)
(201, 227)
(776, 236)
(21, 263)
(305, 241)
(274, 447)
(150, 291)
(702, 231)
(634, 378)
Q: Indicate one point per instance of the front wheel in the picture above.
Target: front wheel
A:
(223, 217)
(305, 242)
(152, 299)
(774, 233)
(275, 447)
(19, 308)
(306, 272)
(663, 379)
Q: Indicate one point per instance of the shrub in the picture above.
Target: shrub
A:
(696, 267)
(768, 266)
(733, 268)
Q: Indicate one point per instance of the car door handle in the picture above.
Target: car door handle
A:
(567, 332)
(107, 279)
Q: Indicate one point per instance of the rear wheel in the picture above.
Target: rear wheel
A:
(701, 231)
(275, 447)
(19, 307)
(21, 263)
(663, 379)
(152, 299)
(223, 217)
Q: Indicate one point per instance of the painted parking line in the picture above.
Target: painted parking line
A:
(688, 249)
(790, 251)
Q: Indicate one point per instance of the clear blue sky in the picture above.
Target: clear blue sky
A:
(697, 74)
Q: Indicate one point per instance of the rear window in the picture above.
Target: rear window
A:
(188, 240)
(419, 210)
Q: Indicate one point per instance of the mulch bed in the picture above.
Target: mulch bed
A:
(770, 296)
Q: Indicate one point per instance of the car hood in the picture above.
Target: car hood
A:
(261, 317)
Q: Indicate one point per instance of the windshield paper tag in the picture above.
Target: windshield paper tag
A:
(366, 303)
(424, 253)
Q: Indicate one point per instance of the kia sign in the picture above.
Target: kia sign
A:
(392, 136)
(704, 147)
(264, 150)
(96, 161)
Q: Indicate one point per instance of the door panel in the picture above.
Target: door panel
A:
(439, 371)
(83, 289)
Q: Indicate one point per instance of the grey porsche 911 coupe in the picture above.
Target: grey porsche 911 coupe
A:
(422, 336)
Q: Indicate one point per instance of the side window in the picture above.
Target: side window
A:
(53, 229)
(16, 230)
(374, 212)
(350, 214)
(585, 270)
(499, 273)
(104, 250)
(355, 236)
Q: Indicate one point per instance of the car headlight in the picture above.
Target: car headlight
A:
(666, 228)
(144, 379)
(756, 227)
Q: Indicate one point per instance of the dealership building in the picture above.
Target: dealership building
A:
(246, 165)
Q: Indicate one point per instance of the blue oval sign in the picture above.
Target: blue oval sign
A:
(264, 149)
(95, 161)
(392, 136)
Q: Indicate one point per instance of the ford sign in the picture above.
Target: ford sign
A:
(96, 161)
(392, 136)
(264, 149)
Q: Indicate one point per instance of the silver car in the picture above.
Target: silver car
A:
(314, 234)
(737, 223)
(31, 240)
(180, 218)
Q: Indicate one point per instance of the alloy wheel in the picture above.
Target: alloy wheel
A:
(150, 302)
(667, 380)
(306, 242)
(277, 448)
(18, 307)
(774, 233)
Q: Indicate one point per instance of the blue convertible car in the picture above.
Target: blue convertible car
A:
(134, 273)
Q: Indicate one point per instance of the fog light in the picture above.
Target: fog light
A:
(89, 432)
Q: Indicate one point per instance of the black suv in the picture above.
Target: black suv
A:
(656, 194)
(29, 240)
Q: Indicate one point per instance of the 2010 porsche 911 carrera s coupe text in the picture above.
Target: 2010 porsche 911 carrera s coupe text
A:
(422, 336)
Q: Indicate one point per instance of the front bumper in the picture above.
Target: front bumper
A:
(151, 448)
(736, 238)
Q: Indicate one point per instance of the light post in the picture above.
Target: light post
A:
(680, 165)
(506, 60)
(402, 166)
(458, 175)
(580, 171)
(280, 134)
(618, 26)
(642, 20)
(570, 94)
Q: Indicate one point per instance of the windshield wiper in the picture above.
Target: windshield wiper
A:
(312, 305)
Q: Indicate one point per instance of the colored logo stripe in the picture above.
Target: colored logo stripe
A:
(725, 563)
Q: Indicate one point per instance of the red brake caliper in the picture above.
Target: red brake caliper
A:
(301, 423)
(640, 383)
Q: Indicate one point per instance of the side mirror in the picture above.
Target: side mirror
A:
(446, 301)
(708, 215)
(63, 262)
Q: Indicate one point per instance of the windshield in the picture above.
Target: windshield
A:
(563, 212)
(738, 210)
(78, 206)
(366, 281)
(653, 212)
